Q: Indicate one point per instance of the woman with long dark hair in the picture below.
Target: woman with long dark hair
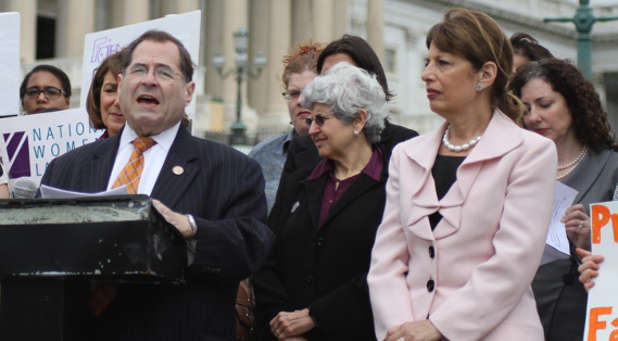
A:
(564, 107)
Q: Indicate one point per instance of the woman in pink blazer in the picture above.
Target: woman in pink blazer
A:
(468, 205)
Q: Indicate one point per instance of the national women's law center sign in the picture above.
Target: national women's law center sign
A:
(32, 141)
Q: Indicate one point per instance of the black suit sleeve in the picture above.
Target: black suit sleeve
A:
(345, 310)
(279, 207)
(270, 296)
(302, 157)
(235, 245)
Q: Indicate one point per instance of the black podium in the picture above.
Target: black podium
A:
(49, 248)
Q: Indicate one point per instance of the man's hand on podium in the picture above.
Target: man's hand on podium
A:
(179, 221)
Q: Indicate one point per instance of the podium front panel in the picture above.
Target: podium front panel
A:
(120, 238)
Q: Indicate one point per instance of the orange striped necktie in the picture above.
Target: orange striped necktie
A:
(132, 171)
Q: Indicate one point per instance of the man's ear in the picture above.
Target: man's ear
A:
(119, 80)
(189, 89)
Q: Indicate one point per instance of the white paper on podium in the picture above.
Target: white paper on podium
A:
(556, 235)
(49, 192)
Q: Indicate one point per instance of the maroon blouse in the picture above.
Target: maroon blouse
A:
(335, 188)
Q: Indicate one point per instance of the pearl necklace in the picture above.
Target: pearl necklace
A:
(575, 161)
(566, 169)
(458, 148)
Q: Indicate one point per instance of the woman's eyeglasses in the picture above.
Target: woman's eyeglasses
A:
(290, 95)
(319, 120)
(50, 92)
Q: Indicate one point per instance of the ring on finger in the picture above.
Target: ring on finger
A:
(401, 339)
(581, 225)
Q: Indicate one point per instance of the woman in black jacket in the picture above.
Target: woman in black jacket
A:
(313, 286)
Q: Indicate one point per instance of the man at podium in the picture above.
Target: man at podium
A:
(211, 193)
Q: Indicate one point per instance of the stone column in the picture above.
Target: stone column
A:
(234, 17)
(260, 40)
(323, 20)
(129, 12)
(178, 6)
(212, 20)
(27, 27)
(276, 118)
(75, 19)
(302, 19)
(375, 26)
(341, 18)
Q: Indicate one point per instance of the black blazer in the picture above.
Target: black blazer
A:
(326, 269)
(224, 190)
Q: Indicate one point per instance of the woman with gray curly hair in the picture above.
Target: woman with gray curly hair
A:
(314, 286)
(352, 94)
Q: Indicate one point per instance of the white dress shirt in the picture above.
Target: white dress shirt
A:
(154, 157)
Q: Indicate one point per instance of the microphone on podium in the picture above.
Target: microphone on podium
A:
(24, 188)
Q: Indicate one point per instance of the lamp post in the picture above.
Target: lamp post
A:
(584, 19)
(241, 70)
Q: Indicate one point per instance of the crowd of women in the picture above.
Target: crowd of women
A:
(386, 235)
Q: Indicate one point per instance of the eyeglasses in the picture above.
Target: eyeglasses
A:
(290, 95)
(50, 92)
(319, 120)
(161, 72)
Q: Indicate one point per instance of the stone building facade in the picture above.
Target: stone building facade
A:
(53, 30)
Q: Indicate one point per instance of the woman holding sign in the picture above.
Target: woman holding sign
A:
(468, 205)
(563, 106)
(589, 268)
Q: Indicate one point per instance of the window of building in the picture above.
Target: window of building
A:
(45, 37)
(390, 60)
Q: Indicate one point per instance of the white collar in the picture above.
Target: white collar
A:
(164, 139)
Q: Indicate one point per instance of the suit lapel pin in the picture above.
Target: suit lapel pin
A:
(178, 170)
(294, 207)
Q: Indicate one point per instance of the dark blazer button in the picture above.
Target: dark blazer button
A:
(319, 242)
(430, 285)
(309, 280)
(432, 252)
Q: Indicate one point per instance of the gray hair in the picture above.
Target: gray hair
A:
(347, 89)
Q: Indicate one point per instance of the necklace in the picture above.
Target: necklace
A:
(565, 170)
(458, 148)
(575, 161)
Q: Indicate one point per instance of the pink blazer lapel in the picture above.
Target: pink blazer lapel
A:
(501, 136)
(419, 183)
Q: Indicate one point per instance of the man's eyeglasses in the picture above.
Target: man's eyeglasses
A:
(50, 92)
(161, 72)
(319, 120)
(290, 95)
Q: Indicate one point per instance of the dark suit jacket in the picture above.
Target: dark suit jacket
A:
(326, 269)
(224, 190)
